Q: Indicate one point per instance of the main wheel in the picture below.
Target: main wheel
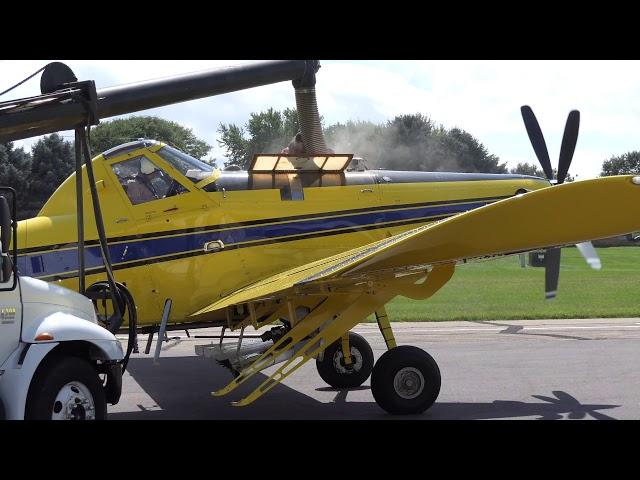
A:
(336, 373)
(66, 389)
(405, 380)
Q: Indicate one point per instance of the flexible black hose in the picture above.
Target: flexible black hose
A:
(133, 325)
(127, 306)
(102, 237)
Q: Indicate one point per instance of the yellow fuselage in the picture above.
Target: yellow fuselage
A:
(158, 247)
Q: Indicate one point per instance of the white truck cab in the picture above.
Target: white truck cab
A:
(53, 353)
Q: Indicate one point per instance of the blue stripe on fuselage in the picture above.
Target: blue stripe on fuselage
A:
(60, 262)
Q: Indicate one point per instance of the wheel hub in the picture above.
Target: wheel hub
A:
(408, 383)
(340, 366)
(73, 402)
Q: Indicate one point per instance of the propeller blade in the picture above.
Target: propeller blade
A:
(590, 255)
(537, 140)
(551, 272)
(569, 140)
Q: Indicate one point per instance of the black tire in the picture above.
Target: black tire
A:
(54, 378)
(332, 368)
(402, 395)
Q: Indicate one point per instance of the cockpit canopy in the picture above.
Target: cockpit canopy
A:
(195, 170)
(192, 168)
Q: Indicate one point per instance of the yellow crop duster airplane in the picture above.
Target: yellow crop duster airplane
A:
(302, 242)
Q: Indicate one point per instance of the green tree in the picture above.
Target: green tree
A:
(290, 122)
(266, 132)
(625, 164)
(232, 139)
(52, 161)
(15, 166)
(408, 142)
(413, 142)
(411, 129)
(532, 169)
(114, 132)
(528, 169)
(470, 154)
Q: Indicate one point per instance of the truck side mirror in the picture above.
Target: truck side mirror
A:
(5, 240)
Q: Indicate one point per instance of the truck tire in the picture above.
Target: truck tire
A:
(66, 388)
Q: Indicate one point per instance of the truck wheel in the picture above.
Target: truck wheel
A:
(333, 370)
(66, 389)
(405, 380)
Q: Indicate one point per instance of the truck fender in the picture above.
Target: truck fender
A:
(66, 327)
(17, 373)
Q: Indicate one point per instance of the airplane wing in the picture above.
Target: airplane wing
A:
(324, 299)
(562, 215)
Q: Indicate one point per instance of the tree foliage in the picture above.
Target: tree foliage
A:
(268, 131)
(408, 142)
(36, 176)
(53, 160)
(114, 132)
(534, 170)
(625, 164)
(470, 154)
(15, 167)
(528, 169)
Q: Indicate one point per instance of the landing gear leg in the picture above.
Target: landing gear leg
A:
(405, 379)
(385, 328)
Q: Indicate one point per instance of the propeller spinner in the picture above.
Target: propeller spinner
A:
(569, 140)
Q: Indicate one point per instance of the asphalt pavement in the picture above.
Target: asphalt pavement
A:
(528, 369)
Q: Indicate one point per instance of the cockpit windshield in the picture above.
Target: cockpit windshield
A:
(195, 170)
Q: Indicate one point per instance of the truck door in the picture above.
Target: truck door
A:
(10, 303)
(10, 319)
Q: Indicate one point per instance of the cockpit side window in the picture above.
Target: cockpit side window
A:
(143, 181)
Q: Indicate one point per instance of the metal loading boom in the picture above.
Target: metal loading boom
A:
(57, 111)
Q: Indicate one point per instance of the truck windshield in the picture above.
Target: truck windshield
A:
(195, 170)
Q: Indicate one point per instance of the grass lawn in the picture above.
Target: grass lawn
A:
(501, 290)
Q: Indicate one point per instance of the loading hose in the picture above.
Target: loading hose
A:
(126, 306)
(307, 106)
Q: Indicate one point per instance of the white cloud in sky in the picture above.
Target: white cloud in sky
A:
(482, 97)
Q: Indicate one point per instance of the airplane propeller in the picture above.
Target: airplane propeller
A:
(567, 149)
(569, 140)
